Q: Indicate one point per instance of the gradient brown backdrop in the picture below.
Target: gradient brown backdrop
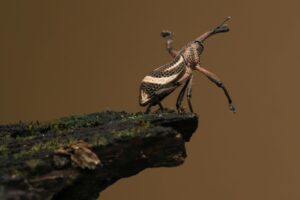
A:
(69, 57)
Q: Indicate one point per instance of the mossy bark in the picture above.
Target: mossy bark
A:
(125, 144)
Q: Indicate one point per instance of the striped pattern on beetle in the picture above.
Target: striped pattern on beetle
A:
(164, 80)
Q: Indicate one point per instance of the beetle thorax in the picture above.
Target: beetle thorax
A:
(191, 53)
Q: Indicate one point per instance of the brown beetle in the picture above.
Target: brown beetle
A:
(164, 80)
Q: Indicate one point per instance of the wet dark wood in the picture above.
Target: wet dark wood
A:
(125, 143)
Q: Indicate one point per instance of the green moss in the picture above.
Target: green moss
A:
(131, 132)
(139, 125)
(50, 145)
(122, 134)
(132, 117)
(3, 149)
(22, 154)
(17, 173)
(99, 140)
(6, 138)
(75, 122)
(36, 147)
(30, 137)
(31, 128)
(145, 124)
(70, 123)
(33, 163)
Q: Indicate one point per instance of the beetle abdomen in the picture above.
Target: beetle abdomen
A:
(163, 77)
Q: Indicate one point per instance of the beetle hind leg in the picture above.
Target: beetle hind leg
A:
(158, 97)
(160, 106)
(148, 109)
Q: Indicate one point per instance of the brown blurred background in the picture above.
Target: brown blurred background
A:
(70, 57)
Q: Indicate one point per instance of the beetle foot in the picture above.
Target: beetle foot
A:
(232, 108)
(181, 110)
(166, 33)
(165, 110)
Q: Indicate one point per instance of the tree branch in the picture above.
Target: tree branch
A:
(125, 144)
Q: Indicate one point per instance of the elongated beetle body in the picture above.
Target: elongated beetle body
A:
(164, 80)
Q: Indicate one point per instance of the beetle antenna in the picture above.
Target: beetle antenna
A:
(222, 27)
(219, 29)
(226, 19)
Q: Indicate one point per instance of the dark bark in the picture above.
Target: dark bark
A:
(125, 144)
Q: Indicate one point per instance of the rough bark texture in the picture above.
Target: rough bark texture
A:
(125, 144)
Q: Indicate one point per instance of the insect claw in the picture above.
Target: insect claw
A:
(181, 110)
(166, 34)
(232, 108)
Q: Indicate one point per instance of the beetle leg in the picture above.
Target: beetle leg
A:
(211, 76)
(189, 93)
(150, 105)
(169, 45)
(164, 92)
(180, 97)
(160, 106)
(148, 109)
(158, 96)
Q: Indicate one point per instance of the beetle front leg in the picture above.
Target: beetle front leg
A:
(169, 45)
(211, 76)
